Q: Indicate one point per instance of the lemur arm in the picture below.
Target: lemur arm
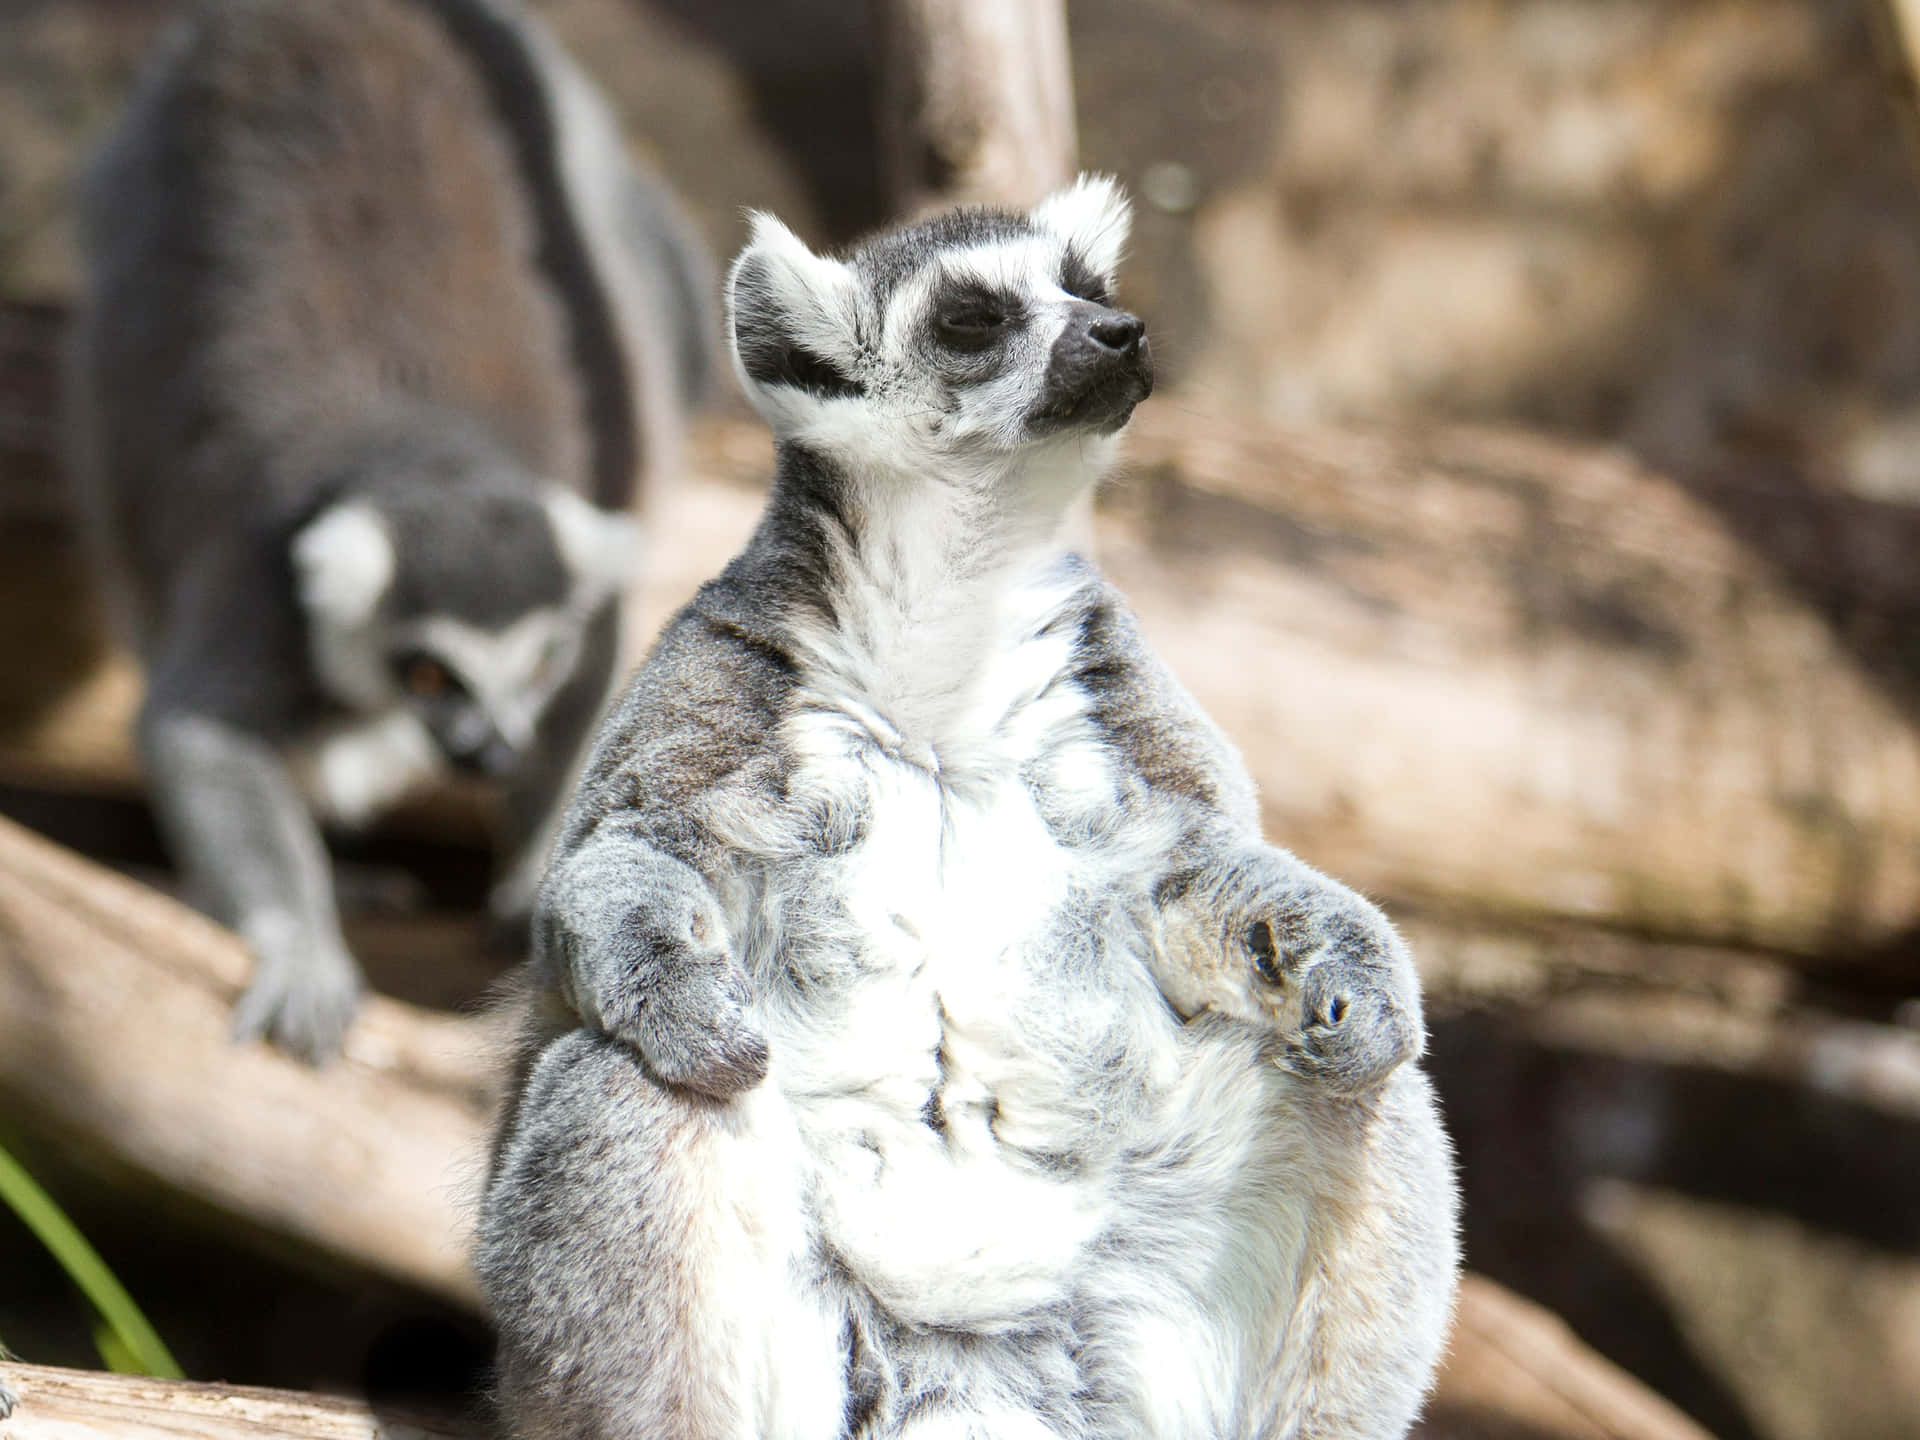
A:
(238, 828)
(629, 928)
(1241, 926)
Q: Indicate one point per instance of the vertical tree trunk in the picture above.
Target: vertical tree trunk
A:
(976, 100)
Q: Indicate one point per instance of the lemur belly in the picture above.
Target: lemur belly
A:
(938, 1065)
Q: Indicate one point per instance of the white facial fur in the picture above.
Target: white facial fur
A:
(599, 546)
(511, 673)
(919, 412)
(344, 566)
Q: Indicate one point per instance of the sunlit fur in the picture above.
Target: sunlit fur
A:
(898, 1063)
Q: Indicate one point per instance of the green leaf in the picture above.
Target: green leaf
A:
(117, 1356)
(133, 1347)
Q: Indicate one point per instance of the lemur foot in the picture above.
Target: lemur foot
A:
(303, 996)
(666, 984)
(7, 1398)
(1318, 965)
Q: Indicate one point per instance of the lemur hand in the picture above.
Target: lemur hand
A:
(304, 992)
(662, 978)
(1287, 947)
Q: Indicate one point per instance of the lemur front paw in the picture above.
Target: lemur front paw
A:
(304, 993)
(1330, 969)
(7, 1398)
(1272, 942)
(668, 986)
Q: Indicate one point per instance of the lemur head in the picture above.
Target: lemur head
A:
(469, 607)
(958, 345)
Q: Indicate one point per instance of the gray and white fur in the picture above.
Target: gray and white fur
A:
(925, 1041)
(379, 330)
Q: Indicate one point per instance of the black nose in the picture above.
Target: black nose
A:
(1119, 331)
(493, 758)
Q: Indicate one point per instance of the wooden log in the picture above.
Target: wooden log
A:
(58, 1404)
(114, 1012)
(1515, 677)
(1516, 1369)
(1738, 1013)
(976, 102)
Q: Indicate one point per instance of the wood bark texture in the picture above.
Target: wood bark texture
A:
(1516, 1369)
(977, 101)
(114, 1011)
(60, 1404)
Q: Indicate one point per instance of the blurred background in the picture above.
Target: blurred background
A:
(1533, 493)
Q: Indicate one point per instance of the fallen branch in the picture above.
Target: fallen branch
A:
(114, 1008)
(1513, 677)
(1517, 1369)
(87, 1405)
(1738, 1013)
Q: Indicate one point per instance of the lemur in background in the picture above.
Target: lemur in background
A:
(925, 1041)
(379, 327)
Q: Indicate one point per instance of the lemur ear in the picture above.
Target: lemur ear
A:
(343, 564)
(600, 547)
(794, 315)
(1093, 217)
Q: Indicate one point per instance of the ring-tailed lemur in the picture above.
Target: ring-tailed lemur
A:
(375, 305)
(928, 1043)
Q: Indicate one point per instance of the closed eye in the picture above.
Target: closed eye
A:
(971, 327)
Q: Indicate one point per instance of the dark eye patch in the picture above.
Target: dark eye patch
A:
(1082, 281)
(971, 318)
(425, 677)
(801, 368)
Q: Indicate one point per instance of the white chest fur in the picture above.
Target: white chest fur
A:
(964, 972)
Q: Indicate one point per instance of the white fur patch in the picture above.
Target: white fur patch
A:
(1091, 215)
(343, 564)
(600, 547)
(354, 772)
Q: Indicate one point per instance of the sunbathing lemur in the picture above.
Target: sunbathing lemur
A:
(929, 1044)
(379, 327)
